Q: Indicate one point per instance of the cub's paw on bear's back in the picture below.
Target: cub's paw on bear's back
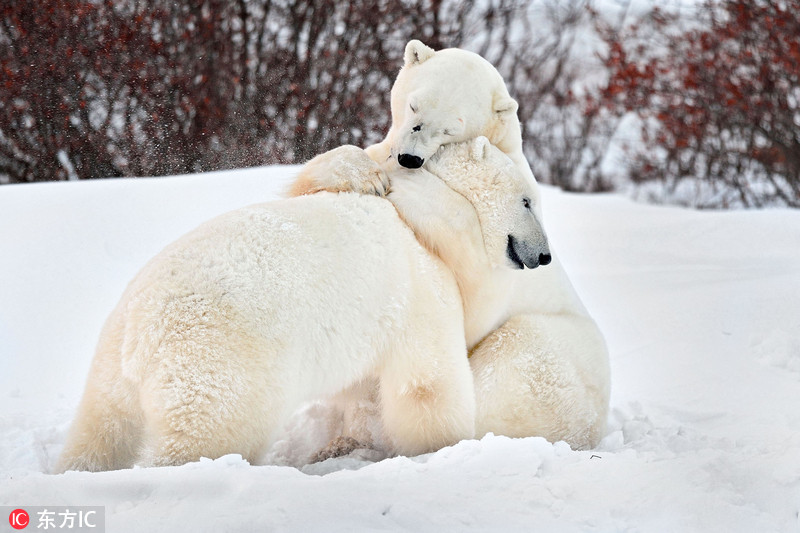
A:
(343, 169)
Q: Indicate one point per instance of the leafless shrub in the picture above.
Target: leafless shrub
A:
(103, 88)
(720, 103)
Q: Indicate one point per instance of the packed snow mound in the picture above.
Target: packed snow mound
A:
(700, 310)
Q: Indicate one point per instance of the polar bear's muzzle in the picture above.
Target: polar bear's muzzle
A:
(410, 161)
(523, 256)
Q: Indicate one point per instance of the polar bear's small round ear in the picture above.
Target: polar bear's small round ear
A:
(416, 52)
(505, 104)
(480, 148)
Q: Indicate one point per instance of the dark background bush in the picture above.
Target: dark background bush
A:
(96, 89)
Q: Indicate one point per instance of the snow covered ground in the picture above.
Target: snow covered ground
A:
(701, 311)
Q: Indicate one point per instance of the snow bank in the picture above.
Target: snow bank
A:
(701, 311)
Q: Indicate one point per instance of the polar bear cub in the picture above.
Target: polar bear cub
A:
(226, 331)
(438, 98)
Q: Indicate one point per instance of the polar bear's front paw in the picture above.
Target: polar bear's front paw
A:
(375, 182)
(343, 169)
(338, 447)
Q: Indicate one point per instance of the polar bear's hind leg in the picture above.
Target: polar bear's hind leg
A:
(208, 394)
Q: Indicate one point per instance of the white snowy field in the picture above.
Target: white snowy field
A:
(701, 311)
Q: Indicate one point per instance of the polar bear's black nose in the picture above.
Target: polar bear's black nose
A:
(410, 161)
(544, 259)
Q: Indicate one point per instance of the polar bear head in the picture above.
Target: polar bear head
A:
(446, 97)
(501, 197)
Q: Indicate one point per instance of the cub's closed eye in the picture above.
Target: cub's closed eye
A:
(413, 109)
(526, 202)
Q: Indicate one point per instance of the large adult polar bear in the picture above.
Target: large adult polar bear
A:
(226, 331)
(544, 370)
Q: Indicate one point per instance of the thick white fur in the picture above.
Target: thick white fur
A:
(550, 354)
(226, 331)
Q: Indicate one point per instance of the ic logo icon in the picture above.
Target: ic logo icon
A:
(19, 519)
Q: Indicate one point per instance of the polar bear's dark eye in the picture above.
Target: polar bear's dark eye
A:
(446, 132)
(526, 202)
(413, 109)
